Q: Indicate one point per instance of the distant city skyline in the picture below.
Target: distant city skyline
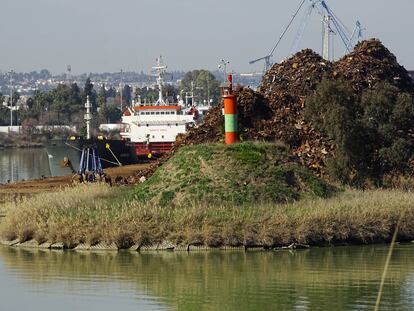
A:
(106, 36)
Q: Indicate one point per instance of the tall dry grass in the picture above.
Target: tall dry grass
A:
(97, 213)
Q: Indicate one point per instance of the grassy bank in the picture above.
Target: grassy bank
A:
(244, 173)
(95, 213)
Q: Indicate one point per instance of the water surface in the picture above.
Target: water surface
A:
(18, 164)
(342, 278)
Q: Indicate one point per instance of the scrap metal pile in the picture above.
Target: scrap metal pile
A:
(370, 63)
(276, 111)
(286, 86)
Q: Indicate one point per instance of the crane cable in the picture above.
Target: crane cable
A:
(102, 159)
(287, 27)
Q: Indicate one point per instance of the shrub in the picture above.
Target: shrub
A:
(372, 133)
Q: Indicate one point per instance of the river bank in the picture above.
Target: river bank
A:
(22, 145)
(14, 193)
(89, 215)
(14, 140)
(30, 139)
(53, 184)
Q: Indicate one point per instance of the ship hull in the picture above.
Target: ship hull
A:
(155, 149)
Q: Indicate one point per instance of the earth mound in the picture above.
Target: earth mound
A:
(244, 173)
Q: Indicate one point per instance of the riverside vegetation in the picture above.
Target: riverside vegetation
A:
(94, 213)
(350, 122)
(298, 208)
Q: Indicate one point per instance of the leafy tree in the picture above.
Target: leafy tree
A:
(111, 92)
(41, 104)
(75, 100)
(4, 116)
(373, 134)
(16, 98)
(171, 93)
(30, 103)
(110, 113)
(65, 101)
(102, 96)
(389, 116)
(147, 94)
(60, 103)
(126, 95)
(4, 112)
(333, 110)
(89, 91)
(203, 83)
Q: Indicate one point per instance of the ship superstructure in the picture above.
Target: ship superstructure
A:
(151, 129)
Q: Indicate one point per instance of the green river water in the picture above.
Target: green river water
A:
(338, 278)
(18, 164)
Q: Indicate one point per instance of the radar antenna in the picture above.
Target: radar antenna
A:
(159, 71)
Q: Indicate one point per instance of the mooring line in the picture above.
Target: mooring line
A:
(81, 150)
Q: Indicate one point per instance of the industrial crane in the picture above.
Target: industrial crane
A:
(267, 62)
(331, 25)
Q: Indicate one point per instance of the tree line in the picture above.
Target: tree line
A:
(64, 105)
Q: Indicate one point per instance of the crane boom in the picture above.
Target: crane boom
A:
(332, 25)
(259, 59)
(356, 36)
(270, 55)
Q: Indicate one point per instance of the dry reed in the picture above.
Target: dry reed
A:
(97, 213)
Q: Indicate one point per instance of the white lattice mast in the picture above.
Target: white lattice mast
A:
(88, 117)
(160, 71)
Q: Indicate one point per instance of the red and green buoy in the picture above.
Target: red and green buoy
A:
(230, 112)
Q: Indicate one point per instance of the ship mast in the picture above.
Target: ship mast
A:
(160, 71)
(88, 118)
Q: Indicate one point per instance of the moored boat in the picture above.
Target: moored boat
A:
(151, 129)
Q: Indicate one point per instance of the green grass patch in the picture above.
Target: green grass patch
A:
(241, 174)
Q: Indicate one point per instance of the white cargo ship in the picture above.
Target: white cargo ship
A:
(151, 129)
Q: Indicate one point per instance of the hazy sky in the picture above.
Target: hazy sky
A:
(107, 35)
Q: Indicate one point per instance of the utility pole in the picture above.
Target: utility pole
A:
(11, 98)
(208, 90)
(122, 90)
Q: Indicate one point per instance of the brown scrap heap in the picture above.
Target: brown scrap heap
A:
(211, 130)
(275, 111)
(371, 62)
(286, 86)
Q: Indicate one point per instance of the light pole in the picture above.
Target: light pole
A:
(122, 90)
(223, 65)
(11, 98)
(208, 89)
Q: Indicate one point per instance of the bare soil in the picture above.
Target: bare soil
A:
(51, 184)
